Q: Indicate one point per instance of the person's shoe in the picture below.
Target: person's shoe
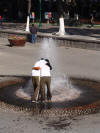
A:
(33, 101)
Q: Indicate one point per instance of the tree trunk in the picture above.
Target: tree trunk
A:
(61, 26)
(61, 18)
(28, 16)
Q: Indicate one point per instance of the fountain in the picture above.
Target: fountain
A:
(82, 96)
(71, 95)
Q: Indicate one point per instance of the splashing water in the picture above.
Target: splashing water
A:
(63, 90)
(26, 92)
(22, 94)
(48, 49)
(61, 86)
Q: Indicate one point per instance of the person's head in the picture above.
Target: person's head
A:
(47, 60)
(42, 58)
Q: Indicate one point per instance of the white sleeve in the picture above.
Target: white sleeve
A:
(42, 63)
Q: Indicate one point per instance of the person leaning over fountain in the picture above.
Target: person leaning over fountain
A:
(45, 80)
(36, 78)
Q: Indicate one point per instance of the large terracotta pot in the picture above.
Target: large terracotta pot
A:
(17, 42)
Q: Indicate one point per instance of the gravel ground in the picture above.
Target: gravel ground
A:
(19, 122)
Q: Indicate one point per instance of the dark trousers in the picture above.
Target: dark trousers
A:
(45, 81)
(35, 81)
(33, 38)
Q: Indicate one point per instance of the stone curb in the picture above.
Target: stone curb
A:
(75, 41)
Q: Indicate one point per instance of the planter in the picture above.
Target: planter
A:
(17, 42)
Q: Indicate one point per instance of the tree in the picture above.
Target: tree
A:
(28, 15)
(61, 9)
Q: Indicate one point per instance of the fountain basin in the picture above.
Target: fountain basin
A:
(87, 102)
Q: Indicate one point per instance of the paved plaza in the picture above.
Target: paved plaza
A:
(73, 62)
(66, 61)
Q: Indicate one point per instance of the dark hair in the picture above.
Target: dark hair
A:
(47, 60)
(42, 58)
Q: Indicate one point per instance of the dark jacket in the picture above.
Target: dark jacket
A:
(33, 30)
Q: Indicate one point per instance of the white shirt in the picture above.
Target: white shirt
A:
(45, 71)
(38, 64)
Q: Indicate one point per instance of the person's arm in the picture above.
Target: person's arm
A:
(35, 68)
